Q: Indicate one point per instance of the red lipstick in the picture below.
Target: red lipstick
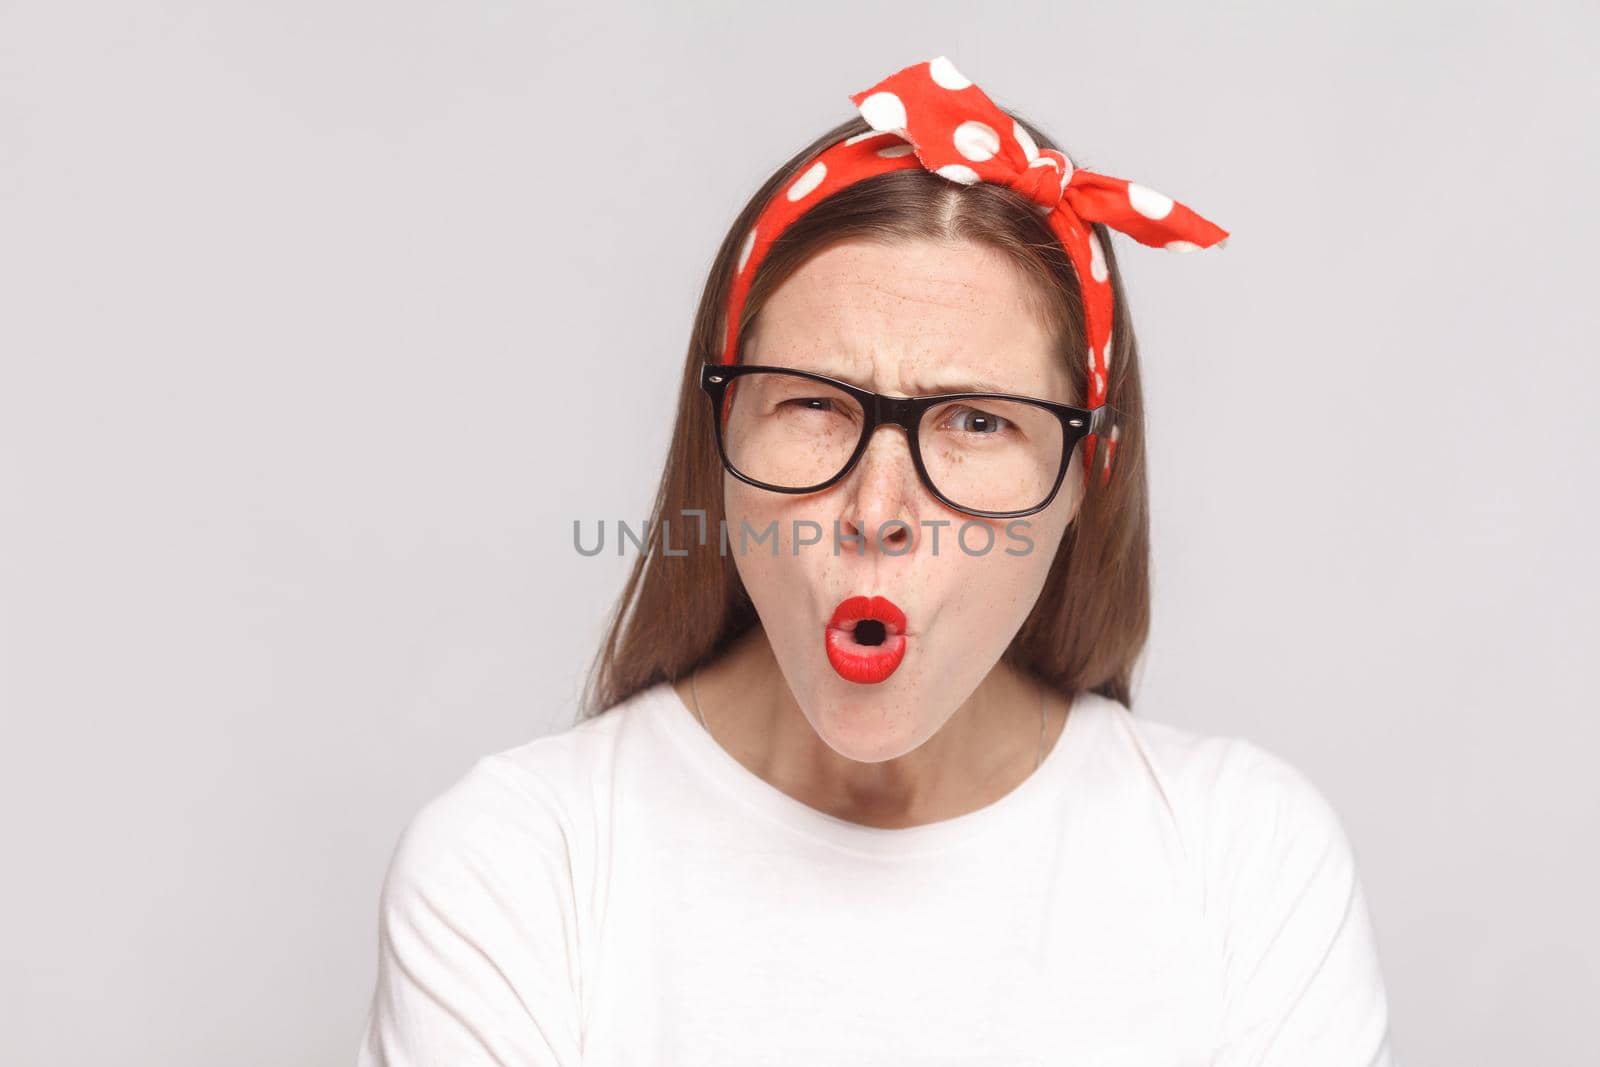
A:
(865, 639)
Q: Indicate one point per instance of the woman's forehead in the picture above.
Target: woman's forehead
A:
(917, 317)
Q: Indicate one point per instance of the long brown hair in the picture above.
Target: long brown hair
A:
(1092, 616)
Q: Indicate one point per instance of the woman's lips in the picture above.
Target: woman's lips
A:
(865, 639)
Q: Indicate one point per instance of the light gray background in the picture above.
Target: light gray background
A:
(323, 321)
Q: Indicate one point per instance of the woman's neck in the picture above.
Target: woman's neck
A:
(987, 747)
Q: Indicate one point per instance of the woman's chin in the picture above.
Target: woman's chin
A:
(867, 724)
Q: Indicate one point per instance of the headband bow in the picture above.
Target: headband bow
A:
(928, 115)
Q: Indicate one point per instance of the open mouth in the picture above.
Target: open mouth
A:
(870, 632)
(865, 639)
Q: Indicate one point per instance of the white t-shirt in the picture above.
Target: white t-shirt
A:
(627, 892)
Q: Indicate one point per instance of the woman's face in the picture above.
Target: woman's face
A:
(907, 319)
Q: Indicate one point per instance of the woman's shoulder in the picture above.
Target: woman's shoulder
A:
(540, 794)
(1230, 787)
(1281, 889)
(577, 756)
(487, 905)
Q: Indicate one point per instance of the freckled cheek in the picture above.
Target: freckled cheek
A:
(763, 528)
(982, 600)
(986, 565)
(765, 517)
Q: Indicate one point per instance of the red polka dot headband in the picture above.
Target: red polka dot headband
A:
(928, 115)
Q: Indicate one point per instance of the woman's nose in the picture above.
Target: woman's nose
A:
(880, 501)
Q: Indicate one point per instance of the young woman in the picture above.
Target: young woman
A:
(857, 779)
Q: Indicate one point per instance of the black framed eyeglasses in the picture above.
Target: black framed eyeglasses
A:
(996, 455)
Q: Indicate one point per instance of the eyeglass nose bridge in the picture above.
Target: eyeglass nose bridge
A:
(882, 411)
(900, 411)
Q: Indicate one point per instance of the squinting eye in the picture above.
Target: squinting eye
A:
(809, 403)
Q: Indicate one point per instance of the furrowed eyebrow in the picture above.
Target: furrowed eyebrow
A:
(969, 386)
(923, 387)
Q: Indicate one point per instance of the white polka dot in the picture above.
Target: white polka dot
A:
(1044, 161)
(1097, 260)
(1107, 361)
(1029, 149)
(744, 253)
(865, 136)
(884, 111)
(1066, 171)
(1099, 384)
(976, 140)
(1181, 246)
(1091, 359)
(945, 75)
(1148, 202)
(1116, 432)
(895, 150)
(958, 173)
(808, 181)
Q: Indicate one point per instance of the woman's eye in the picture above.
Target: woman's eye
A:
(975, 421)
(809, 403)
